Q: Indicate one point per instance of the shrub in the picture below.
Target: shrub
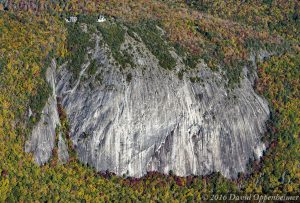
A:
(114, 36)
(38, 101)
(129, 77)
(77, 45)
(92, 69)
(155, 42)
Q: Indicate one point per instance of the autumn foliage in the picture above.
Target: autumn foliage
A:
(223, 34)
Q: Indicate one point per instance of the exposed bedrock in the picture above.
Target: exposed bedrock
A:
(156, 121)
(145, 118)
(43, 137)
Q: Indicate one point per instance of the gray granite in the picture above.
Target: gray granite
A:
(155, 121)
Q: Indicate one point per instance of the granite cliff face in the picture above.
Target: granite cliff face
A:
(145, 118)
(43, 136)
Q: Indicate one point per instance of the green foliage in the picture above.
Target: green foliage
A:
(279, 83)
(253, 44)
(129, 77)
(38, 101)
(180, 75)
(155, 42)
(23, 181)
(233, 73)
(88, 19)
(92, 69)
(195, 79)
(78, 42)
(2, 64)
(275, 15)
(191, 60)
(114, 36)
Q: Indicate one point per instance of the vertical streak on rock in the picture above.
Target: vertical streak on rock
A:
(42, 140)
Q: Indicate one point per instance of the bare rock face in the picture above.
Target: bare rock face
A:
(145, 118)
(153, 120)
(42, 140)
(63, 155)
(43, 136)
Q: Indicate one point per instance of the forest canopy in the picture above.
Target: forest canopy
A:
(222, 33)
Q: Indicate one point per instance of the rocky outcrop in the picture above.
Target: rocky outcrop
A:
(158, 122)
(63, 154)
(146, 118)
(43, 136)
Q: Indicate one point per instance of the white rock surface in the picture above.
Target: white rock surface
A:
(63, 155)
(159, 122)
(42, 140)
(155, 121)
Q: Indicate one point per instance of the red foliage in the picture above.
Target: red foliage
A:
(4, 173)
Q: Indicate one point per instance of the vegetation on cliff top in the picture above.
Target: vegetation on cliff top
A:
(27, 44)
(219, 41)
